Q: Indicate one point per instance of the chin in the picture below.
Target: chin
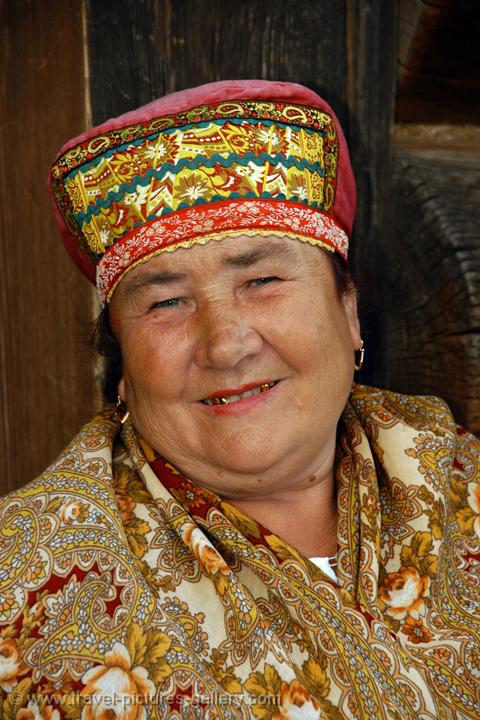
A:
(245, 465)
(251, 455)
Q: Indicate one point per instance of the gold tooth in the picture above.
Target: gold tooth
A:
(226, 401)
(220, 401)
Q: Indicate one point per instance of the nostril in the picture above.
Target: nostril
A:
(226, 346)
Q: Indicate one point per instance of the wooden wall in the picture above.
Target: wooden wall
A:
(47, 388)
(430, 341)
(181, 44)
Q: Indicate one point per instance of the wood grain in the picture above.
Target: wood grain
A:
(45, 305)
(371, 94)
(431, 312)
(142, 50)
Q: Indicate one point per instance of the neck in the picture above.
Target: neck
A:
(304, 516)
(295, 498)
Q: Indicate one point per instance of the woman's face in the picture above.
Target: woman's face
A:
(256, 321)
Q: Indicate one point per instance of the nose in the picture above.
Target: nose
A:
(226, 338)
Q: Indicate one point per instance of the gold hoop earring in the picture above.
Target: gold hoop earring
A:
(122, 411)
(361, 350)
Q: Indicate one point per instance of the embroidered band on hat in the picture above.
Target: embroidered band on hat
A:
(229, 158)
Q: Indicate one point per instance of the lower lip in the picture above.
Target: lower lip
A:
(243, 405)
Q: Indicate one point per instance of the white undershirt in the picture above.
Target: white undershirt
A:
(324, 564)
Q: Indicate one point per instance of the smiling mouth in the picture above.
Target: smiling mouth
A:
(228, 399)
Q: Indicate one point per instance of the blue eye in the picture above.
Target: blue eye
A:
(170, 303)
(259, 282)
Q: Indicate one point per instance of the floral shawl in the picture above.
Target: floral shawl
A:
(127, 592)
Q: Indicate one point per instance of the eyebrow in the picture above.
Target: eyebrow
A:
(246, 259)
(264, 252)
(156, 277)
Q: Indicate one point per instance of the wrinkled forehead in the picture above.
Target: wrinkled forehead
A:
(215, 261)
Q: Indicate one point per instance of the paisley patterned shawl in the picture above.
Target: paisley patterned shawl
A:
(128, 592)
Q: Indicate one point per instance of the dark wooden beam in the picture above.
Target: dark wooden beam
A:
(45, 370)
(371, 91)
(144, 49)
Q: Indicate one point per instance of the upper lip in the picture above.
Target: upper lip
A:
(238, 391)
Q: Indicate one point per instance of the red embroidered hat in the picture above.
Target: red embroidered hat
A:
(244, 157)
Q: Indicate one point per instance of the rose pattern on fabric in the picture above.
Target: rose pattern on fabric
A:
(203, 550)
(404, 592)
(12, 666)
(73, 511)
(116, 689)
(34, 712)
(296, 703)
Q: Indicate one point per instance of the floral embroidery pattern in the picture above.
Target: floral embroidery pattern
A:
(115, 185)
(205, 223)
(279, 112)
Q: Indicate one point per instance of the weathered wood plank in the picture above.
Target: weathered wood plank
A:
(371, 93)
(45, 371)
(431, 313)
(142, 50)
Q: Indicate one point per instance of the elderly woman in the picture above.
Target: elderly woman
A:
(244, 534)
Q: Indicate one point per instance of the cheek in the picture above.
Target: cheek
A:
(324, 344)
(154, 362)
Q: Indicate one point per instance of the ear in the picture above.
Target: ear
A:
(121, 390)
(349, 300)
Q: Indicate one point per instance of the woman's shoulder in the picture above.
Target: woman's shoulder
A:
(69, 511)
(75, 487)
(421, 412)
(85, 460)
(422, 427)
